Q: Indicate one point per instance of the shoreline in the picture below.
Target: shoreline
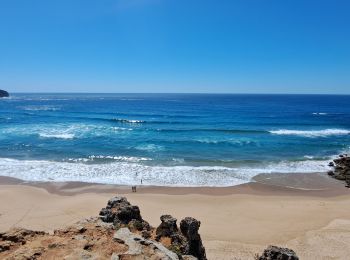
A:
(236, 222)
(290, 184)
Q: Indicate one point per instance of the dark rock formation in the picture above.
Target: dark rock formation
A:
(185, 241)
(4, 93)
(278, 253)
(120, 212)
(189, 228)
(341, 169)
(168, 226)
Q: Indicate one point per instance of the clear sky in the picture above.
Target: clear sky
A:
(229, 46)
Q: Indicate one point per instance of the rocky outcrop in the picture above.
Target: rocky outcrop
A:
(278, 253)
(185, 241)
(4, 93)
(88, 239)
(121, 213)
(168, 226)
(118, 233)
(189, 228)
(341, 169)
(140, 247)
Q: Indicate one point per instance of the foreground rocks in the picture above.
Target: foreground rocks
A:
(4, 93)
(118, 233)
(277, 253)
(341, 169)
(185, 241)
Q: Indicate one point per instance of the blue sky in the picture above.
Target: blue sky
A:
(227, 46)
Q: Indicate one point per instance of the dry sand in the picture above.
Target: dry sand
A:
(311, 215)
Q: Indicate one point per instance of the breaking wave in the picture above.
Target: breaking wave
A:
(311, 133)
(129, 171)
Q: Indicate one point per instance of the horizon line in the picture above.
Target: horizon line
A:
(183, 93)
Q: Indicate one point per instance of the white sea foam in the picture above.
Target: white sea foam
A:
(320, 114)
(57, 136)
(129, 173)
(149, 147)
(311, 133)
(237, 142)
(93, 158)
(134, 121)
(41, 108)
(64, 131)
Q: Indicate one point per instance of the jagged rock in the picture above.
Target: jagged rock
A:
(118, 233)
(120, 212)
(139, 247)
(278, 253)
(4, 93)
(185, 241)
(19, 235)
(168, 226)
(341, 169)
(146, 234)
(189, 228)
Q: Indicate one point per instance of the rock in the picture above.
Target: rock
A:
(120, 212)
(5, 245)
(146, 234)
(278, 253)
(130, 237)
(189, 257)
(185, 241)
(330, 173)
(4, 93)
(139, 248)
(168, 226)
(19, 235)
(189, 228)
(341, 169)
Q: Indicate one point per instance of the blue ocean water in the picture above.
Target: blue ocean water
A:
(169, 139)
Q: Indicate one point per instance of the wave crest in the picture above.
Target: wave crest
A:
(311, 133)
(130, 172)
(58, 136)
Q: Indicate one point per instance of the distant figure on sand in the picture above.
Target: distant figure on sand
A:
(141, 181)
(133, 188)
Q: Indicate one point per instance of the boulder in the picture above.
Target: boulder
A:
(278, 253)
(341, 169)
(168, 226)
(120, 212)
(183, 241)
(4, 93)
(189, 228)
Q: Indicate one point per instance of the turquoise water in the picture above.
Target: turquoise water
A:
(169, 139)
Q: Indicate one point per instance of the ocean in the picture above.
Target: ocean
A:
(169, 139)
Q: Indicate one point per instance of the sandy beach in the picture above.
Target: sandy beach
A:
(310, 216)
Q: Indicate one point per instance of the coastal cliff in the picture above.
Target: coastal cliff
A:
(4, 93)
